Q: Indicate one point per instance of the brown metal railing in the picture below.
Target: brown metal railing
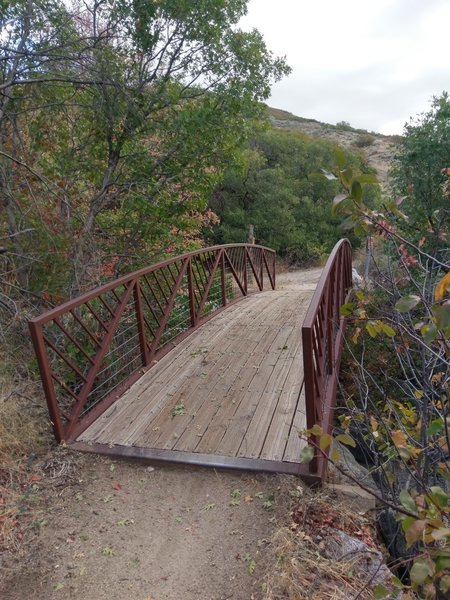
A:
(92, 348)
(322, 335)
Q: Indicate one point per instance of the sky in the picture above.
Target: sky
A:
(372, 63)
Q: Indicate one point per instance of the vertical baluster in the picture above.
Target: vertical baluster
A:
(244, 254)
(191, 293)
(140, 323)
(223, 281)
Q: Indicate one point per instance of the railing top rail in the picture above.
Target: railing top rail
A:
(54, 313)
(314, 306)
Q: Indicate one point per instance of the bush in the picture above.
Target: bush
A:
(364, 140)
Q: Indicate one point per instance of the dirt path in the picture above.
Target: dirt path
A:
(111, 530)
(128, 531)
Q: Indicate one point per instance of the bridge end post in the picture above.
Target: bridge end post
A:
(47, 383)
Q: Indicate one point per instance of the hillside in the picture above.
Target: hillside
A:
(377, 148)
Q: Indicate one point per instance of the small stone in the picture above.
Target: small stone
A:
(150, 469)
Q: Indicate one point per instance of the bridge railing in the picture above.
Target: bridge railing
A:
(322, 336)
(92, 348)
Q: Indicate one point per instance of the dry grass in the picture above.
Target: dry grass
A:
(302, 566)
(23, 421)
(24, 432)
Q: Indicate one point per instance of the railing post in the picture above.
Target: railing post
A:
(245, 271)
(140, 323)
(223, 281)
(261, 269)
(310, 392)
(330, 322)
(274, 272)
(47, 383)
(191, 293)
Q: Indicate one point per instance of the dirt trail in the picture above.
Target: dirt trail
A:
(112, 530)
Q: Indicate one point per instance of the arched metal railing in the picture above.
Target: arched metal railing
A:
(322, 340)
(92, 348)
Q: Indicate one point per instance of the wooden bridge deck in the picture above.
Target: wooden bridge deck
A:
(231, 394)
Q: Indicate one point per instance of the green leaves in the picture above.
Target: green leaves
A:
(347, 309)
(407, 303)
(407, 501)
(325, 441)
(375, 327)
(420, 571)
(441, 314)
(178, 410)
(439, 497)
(346, 439)
(356, 192)
(306, 454)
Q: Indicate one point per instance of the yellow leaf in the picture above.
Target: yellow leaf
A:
(346, 439)
(442, 287)
(373, 423)
(335, 455)
(441, 533)
(399, 439)
(414, 531)
(324, 441)
(356, 335)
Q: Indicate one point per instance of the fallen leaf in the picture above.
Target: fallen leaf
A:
(116, 486)
(36, 478)
(248, 498)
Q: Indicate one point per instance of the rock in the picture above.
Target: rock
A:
(349, 465)
(354, 496)
(358, 281)
(393, 537)
(364, 560)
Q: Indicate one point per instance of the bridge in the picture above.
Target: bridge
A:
(201, 359)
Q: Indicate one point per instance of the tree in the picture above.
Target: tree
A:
(420, 173)
(396, 375)
(126, 112)
(277, 186)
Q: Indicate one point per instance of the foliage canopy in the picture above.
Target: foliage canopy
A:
(116, 121)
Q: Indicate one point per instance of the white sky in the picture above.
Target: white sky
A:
(373, 63)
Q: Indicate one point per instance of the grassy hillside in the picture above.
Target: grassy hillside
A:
(378, 149)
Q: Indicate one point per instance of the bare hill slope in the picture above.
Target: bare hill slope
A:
(378, 149)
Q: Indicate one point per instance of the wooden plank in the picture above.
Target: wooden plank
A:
(165, 430)
(255, 435)
(199, 407)
(193, 458)
(164, 368)
(217, 425)
(216, 399)
(237, 424)
(160, 402)
(249, 372)
(135, 401)
(277, 434)
(295, 443)
(267, 409)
